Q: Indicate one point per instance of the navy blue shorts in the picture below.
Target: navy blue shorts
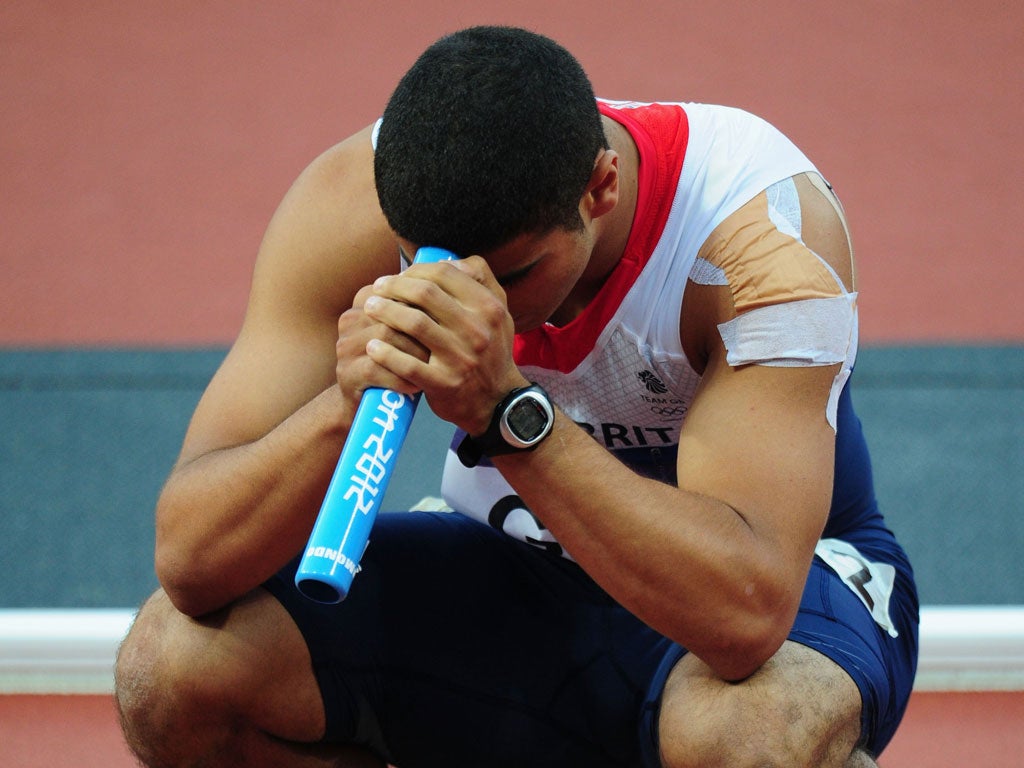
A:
(459, 646)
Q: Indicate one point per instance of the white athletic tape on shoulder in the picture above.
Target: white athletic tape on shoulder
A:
(809, 332)
(798, 333)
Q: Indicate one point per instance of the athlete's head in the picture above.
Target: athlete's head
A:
(493, 133)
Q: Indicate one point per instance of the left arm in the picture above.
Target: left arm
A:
(717, 563)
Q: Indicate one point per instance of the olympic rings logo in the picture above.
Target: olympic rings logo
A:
(668, 410)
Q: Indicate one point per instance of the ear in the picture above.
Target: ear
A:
(602, 192)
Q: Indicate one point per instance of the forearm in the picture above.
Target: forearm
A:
(230, 518)
(689, 565)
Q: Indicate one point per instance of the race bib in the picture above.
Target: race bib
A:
(871, 582)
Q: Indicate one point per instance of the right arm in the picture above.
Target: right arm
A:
(263, 442)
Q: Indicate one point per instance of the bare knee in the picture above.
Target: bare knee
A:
(152, 680)
(174, 685)
(726, 740)
(774, 718)
(768, 740)
(860, 759)
(235, 687)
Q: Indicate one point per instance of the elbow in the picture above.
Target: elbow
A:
(196, 578)
(187, 574)
(748, 639)
(182, 581)
(740, 659)
(178, 571)
(184, 566)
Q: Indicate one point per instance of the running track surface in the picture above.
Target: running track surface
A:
(143, 148)
(980, 730)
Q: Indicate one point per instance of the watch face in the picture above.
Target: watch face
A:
(527, 419)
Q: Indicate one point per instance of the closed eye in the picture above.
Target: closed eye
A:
(513, 277)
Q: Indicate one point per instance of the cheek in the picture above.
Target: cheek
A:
(537, 298)
(532, 303)
(551, 287)
(565, 278)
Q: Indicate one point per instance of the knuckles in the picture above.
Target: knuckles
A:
(361, 296)
(466, 363)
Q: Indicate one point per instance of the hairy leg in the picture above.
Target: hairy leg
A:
(799, 709)
(860, 759)
(233, 688)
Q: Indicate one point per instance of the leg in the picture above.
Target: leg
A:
(457, 647)
(470, 649)
(833, 695)
(234, 688)
(799, 709)
(860, 759)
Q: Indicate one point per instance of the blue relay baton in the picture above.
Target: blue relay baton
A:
(353, 498)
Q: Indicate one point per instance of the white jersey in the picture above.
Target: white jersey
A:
(618, 369)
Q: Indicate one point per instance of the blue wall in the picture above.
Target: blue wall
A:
(88, 437)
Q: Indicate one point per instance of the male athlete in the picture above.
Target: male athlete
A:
(665, 549)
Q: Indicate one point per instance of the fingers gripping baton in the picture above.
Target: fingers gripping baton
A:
(353, 498)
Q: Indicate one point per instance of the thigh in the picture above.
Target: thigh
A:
(458, 645)
(799, 708)
(840, 680)
(835, 620)
(246, 662)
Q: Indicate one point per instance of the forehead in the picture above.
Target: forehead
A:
(514, 258)
(521, 254)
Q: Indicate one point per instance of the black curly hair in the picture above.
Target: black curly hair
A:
(491, 134)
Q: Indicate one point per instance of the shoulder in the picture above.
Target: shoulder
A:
(328, 237)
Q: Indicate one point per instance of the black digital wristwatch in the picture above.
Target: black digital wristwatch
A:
(521, 420)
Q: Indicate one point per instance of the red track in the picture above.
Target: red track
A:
(143, 147)
(980, 730)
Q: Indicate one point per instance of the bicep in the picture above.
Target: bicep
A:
(264, 378)
(757, 438)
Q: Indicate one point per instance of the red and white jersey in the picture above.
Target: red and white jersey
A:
(618, 369)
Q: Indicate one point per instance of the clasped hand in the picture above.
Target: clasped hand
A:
(443, 329)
